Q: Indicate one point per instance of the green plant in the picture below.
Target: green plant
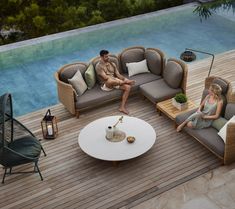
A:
(181, 98)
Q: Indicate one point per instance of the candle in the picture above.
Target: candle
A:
(109, 132)
(49, 130)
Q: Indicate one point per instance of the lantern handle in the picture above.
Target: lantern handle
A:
(48, 113)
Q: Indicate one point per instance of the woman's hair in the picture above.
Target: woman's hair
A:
(217, 90)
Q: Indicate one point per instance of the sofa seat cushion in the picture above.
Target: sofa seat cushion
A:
(28, 146)
(207, 136)
(142, 79)
(157, 91)
(96, 96)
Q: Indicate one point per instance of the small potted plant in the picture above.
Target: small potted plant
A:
(180, 101)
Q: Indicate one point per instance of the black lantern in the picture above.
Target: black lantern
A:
(189, 56)
(49, 126)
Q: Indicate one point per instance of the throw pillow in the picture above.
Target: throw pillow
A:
(90, 77)
(135, 68)
(223, 131)
(78, 83)
(219, 123)
(173, 74)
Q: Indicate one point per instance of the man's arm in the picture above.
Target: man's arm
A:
(118, 75)
(101, 73)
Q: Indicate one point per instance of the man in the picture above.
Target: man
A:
(112, 79)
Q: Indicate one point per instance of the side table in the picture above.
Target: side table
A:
(170, 111)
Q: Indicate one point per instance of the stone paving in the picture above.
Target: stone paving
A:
(213, 190)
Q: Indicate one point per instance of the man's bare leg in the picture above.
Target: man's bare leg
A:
(126, 88)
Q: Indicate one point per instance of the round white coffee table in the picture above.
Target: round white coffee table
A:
(93, 142)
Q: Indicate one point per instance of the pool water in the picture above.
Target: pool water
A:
(27, 71)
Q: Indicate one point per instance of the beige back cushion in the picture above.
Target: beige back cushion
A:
(69, 71)
(222, 83)
(173, 74)
(224, 86)
(154, 61)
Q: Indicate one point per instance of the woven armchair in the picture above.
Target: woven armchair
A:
(229, 149)
(18, 145)
(209, 137)
(66, 93)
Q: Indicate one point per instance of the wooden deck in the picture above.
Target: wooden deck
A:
(74, 180)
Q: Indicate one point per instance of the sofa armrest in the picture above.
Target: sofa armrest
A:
(231, 94)
(229, 152)
(66, 94)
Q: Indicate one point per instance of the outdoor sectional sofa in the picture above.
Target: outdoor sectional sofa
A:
(162, 82)
(209, 137)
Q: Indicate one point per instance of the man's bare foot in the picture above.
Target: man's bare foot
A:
(124, 110)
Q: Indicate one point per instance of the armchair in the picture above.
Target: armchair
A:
(18, 145)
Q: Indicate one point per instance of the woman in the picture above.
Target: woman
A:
(208, 111)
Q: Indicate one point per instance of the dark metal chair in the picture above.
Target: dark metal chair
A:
(18, 145)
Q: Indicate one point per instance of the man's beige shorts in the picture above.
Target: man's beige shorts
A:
(105, 88)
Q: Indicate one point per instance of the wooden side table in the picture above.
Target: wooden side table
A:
(170, 111)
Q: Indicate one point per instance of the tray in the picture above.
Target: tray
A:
(117, 136)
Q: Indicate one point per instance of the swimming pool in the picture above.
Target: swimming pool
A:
(27, 68)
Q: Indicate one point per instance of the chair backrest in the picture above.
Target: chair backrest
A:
(131, 54)
(112, 58)
(67, 71)
(156, 60)
(175, 74)
(6, 120)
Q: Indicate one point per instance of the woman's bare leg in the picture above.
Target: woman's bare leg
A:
(189, 124)
(180, 127)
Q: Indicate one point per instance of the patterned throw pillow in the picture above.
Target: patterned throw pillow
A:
(78, 83)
